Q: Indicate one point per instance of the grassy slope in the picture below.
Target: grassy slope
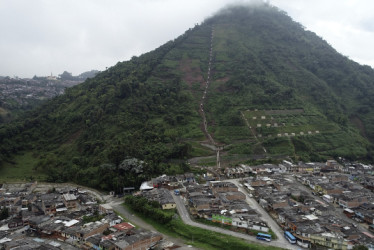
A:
(261, 65)
(22, 169)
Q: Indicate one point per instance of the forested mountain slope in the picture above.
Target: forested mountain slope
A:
(274, 86)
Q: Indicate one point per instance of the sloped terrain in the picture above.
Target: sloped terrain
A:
(148, 108)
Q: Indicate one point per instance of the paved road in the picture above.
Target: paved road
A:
(281, 242)
(265, 216)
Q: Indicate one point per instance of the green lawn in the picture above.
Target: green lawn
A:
(21, 169)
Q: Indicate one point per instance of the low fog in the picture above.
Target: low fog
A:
(44, 37)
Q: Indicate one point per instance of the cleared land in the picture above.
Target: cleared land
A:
(22, 169)
(293, 122)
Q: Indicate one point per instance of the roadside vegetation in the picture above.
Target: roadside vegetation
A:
(195, 236)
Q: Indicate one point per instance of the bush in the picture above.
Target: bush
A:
(150, 209)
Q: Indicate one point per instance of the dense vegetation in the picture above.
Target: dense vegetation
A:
(146, 109)
(150, 209)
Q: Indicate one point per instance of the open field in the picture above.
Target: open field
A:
(21, 170)
(293, 122)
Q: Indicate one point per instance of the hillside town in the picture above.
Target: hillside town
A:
(23, 93)
(327, 205)
(323, 205)
(64, 218)
(22, 89)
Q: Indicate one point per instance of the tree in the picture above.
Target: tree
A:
(4, 213)
(67, 76)
(360, 247)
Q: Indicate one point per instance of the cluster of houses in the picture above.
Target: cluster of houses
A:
(339, 190)
(22, 90)
(158, 189)
(216, 201)
(66, 218)
(285, 167)
(358, 171)
(312, 220)
(222, 202)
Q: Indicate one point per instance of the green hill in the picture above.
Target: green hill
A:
(275, 90)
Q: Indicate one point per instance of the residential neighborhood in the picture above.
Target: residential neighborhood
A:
(65, 218)
(327, 204)
(23, 89)
(323, 205)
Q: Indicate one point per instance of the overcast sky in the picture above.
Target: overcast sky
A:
(41, 37)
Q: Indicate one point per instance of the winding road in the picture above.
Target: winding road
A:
(280, 242)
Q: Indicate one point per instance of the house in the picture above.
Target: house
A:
(49, 203)
(140, 239)
(70, 200)
(258, 183)
(93, 242)
(277, 202)
(309, 167)
(329, 188)
(288, 166)
(105, 209)
(334, 164)
(231, 196)
(112, 219)
(162, 196)
(200, 203)
(124, 226)
(222, 187)
(30, 244)
(351, 200)
(265, 169)
(90, 229)
(86, 200)
(128, 190)
(337, 177)
(368, 212)
(329, 240)
(250, 223)
(36, 221)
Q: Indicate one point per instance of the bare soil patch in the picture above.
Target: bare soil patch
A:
(191, 74)
(358, 124)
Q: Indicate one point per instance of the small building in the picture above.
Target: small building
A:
(124, 226)
(70, 200)
(128, 190)
(162, 196)
(105, 209)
